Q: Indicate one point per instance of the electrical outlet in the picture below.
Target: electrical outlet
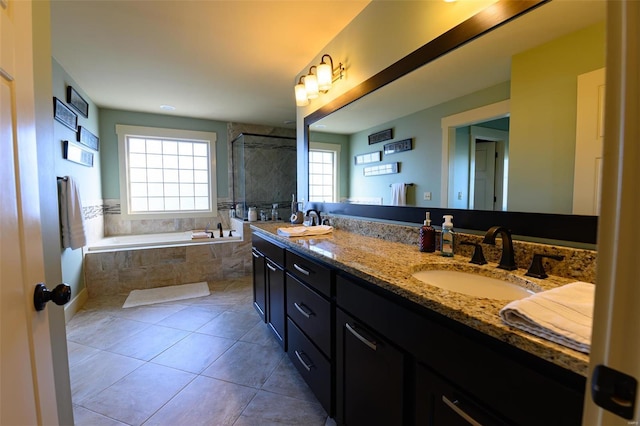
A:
(427, 196)
(460, 195)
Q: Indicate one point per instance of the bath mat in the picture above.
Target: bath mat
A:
(166, 294)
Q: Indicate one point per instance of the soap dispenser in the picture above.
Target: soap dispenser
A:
(446, 239)
(427, 235)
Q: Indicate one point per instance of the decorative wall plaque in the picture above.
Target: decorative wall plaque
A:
(381, 169)
(73, 152)
(87, 138)
(381, 136)
(370, 157)
(399, 146)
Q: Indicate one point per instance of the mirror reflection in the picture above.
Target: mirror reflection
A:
(508, 121)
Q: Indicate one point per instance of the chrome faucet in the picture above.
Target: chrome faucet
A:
(507, 261)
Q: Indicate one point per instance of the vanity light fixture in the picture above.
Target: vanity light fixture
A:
(311, 84)
(301, 93)
(319, 80)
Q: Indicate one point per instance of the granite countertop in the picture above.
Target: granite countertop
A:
(390, 265)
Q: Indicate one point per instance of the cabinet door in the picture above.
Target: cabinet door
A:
(370, 385)
(259, 284)
(276, 301)
(438, 403)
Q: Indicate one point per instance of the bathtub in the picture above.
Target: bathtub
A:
(167, 239)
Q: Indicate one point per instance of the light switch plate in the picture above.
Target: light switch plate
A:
(427, 196)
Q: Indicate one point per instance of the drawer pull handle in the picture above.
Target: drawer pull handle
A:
(306, 366)
(301, 269)
(256, 255)
(301, 307)
(459, 411)
(271, 267)
(363, 339)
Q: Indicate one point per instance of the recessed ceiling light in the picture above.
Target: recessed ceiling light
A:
(167, 107)
(320, 126)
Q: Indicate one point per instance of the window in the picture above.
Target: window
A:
(166, 172)
(323, 172)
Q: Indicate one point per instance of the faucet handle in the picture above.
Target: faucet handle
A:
(536, 269)
(478, 255)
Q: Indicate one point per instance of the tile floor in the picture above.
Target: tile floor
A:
(203, 361)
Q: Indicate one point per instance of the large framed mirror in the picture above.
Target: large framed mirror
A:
(513, 68)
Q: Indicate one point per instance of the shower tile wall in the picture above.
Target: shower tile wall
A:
(264, 171)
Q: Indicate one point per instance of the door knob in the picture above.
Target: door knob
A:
(59, 295)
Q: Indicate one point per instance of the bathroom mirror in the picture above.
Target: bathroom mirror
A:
(448, 85)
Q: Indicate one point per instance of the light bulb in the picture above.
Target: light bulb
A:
(301, 95)
(311, 86)
(325, 76)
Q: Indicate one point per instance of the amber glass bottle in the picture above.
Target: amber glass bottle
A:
(427, 236)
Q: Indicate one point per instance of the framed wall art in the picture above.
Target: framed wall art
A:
(73, 152)
(369, 157)
(382, 169)
(399, 146)
(381, 136)
(77, 102)
(64, 115)
(88, 139)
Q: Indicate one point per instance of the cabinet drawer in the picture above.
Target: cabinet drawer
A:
(269, 248)
(311, 312)
(311, 273)
(311, 364)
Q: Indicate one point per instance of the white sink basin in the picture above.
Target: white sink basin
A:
(472, 284)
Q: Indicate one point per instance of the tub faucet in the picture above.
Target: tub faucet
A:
(507, 261)
(220, 229)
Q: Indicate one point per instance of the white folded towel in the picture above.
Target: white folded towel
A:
(304, 231)
(71, 217)
(200, 234)
(398, 194)
(563, 315)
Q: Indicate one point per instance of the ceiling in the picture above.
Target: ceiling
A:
(231, 61)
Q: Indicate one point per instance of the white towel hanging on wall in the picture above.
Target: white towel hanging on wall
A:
(398, 194)
(71, 218)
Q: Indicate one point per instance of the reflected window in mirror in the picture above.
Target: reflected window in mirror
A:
(324, 159)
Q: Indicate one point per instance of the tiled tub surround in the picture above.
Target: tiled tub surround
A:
(116, 224)
(114, 272)
(390, 265)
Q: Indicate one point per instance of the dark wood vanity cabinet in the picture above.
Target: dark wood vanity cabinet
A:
(310, 323)
(449, 373)
(269, 285)
(370, 386)
(259, 283)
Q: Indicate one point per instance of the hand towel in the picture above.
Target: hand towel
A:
(563, 315)
(305, 231)
(71, 217)
(200, 234)
(398, 194)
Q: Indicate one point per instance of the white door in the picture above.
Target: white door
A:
(27, 392)
(485, 176)
(589, 136)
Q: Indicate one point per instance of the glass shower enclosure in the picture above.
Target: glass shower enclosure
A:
(264, 174)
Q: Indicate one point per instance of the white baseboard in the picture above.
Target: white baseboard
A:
(75, 305)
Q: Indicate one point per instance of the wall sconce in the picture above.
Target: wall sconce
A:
(319, 80)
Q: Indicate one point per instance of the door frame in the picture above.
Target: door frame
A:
(449, 124)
